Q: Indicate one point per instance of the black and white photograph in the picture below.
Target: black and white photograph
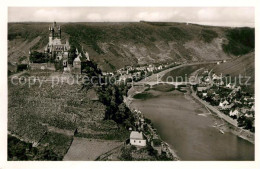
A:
(130, 83)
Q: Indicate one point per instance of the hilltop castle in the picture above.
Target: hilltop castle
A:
(60, 51)
(55, 48)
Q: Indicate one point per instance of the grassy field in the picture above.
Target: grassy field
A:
(163, 87)
(143, 96)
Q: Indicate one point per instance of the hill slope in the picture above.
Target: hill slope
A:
(243, 65)
(114, 45)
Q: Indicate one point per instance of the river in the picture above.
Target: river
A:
(179, 122)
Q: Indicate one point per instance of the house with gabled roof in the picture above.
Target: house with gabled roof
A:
(234, 112)
(137, 139)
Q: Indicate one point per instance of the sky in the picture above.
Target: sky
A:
(217, 16)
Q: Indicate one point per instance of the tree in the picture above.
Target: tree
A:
(58, 65)
(248, 123)
(21, 67)
(72, 54)
(126, 154)
(121, 114)
(38, 57)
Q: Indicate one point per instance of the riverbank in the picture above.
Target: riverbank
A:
(190, 129)
(224, 141)
(128, 100)
(231, 124)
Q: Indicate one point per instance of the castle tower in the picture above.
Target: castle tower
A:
(55, 33)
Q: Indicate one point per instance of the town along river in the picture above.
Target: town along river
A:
(188, 128)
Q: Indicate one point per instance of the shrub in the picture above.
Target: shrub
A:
(20, 150)
(38, 57)
(126, 154)
(21, 67)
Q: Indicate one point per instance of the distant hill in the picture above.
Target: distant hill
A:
(243, 65)
(114, 45)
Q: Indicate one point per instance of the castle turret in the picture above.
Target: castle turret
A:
(55, 33)
(77, 65)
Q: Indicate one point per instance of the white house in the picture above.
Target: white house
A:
(224, 103)
(206, 71)
(249, 115)
(238, 88)
(221, 83)
(207, 79)
(125, 77)
(230, 86)
(253, 108)
(214, 76)
(150, 68)
(160, 67)
(201, 88)
(137, 139)
(234, 112)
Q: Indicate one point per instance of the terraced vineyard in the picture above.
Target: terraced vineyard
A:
(37, 114)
